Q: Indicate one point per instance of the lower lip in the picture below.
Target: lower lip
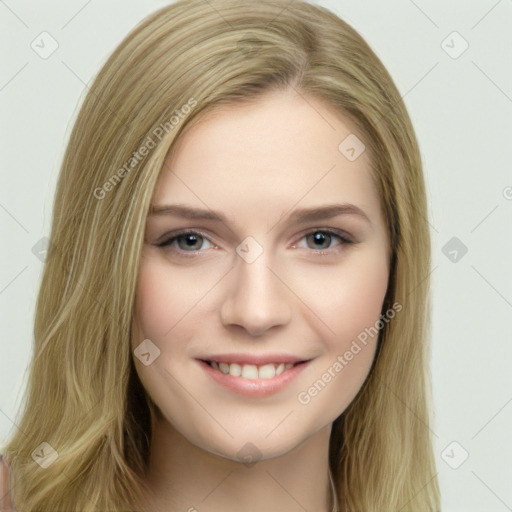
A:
(254, 387)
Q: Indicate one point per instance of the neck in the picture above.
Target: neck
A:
(183, 477)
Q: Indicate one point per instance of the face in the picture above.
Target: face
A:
(277, 291)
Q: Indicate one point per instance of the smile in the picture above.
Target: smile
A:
(255, 378)
(251, 371)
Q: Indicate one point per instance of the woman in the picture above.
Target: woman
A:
(236, 296)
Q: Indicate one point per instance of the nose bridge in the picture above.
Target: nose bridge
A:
(256, 299)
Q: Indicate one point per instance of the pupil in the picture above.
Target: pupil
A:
(320, 237)
(190, 240)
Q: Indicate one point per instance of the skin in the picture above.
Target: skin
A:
(256, 163)
(6, 501)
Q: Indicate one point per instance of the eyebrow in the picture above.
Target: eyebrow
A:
(300, 215)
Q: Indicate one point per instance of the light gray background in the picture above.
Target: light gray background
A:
(462, 112)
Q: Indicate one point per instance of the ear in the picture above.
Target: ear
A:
(6, 481)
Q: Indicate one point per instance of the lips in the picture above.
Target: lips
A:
(263, 366)
(253, 375)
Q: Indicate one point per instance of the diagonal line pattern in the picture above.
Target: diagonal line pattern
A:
(14, 218)
(280, 423)
(227, 227)
(426, 277)
(216, 487)
(219, 14)
(401, 508)
(420, 80)
(424, 13)
(301, 300)
(192, 307)
(305, 194)
(286, 491)
(12, 280)
(76, 14)
(91, 92)
(488, 282)
(492, 81)
(492, 211)
(491, 491)
(14, 76)
(306, 101)
(387, 386)
(503, 407)
(280, 12)
(408, 91)
(13, 422)
(200, 404)
(486, 14)
(424, 218)
(77, 423)
(13, 13)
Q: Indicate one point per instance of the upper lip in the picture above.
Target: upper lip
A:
(255, 359)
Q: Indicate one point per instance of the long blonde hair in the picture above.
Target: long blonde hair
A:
(83, 396)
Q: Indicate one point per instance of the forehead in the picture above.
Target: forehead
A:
(262, 158)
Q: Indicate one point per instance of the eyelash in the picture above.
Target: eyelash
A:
(192, 254)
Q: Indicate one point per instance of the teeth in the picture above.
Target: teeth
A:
(235, 369)
(280, 368)
(251, 371)
(267, 371)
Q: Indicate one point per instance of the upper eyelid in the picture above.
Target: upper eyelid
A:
(182, 232)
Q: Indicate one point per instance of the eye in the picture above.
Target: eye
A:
(189, 243)
(322, 238)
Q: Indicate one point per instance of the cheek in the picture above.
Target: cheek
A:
(363, 299)
(164, 299)
(351, 307)
(151, 302)
(348, 298)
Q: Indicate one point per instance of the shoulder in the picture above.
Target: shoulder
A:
(6, 485)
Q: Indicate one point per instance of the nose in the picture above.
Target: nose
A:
(256, 299)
